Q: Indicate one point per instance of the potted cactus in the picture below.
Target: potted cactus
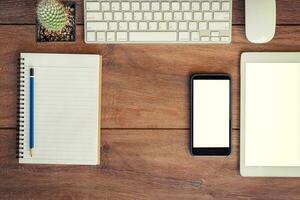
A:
(55, 21)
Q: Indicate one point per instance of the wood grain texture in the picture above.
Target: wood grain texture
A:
(144, 86)
(139, 164)
(23, 12)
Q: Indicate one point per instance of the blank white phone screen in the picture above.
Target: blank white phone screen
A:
(211, 113)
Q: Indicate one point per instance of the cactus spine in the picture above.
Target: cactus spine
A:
(52, 15)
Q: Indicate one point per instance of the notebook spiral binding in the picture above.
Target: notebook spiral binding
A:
(20, 109)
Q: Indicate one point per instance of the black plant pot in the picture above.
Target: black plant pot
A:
(67, 34)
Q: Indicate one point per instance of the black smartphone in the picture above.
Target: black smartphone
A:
(210, 114)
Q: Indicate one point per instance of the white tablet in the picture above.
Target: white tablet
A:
(270, 114)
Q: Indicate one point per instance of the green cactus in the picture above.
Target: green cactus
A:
(52, 15)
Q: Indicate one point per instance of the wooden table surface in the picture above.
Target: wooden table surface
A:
(145, 115)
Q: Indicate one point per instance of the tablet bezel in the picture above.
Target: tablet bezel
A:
(262, 171)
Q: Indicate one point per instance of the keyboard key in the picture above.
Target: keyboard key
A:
(107, 16)
(208, 16)
(215, 39)
(155, 6)
(148, 16)
(165, 6)
(152, 26)
(205, 6)
(135, 6)
(127, 16)
(105, 6)
(168, 16)
(215, 6)
(96, 26)
(145, 6)
(123, 26)
(204, 32)
(221, 16)
(225, 6)
(204, 39)
(182, 26)
(172, 26)
(202, 25)
(137, 16)
(90, 36)
(94, 16)
(92, 6)
(187, 16)
(110, 36)
(125, 5)
(218, 25)
(197, 15)
(157, 16)
(122, 36)
(178, 16)
(143, 26)
(193, 26)
(196, 6)
(115, 6)
(195, 36)
(100, 36)
(184, 36)
(133, 26)
(175, 5)
(113, 26)
(153, 36)
(118, 16)
(215, 33)
(162, 26)
(185, 6)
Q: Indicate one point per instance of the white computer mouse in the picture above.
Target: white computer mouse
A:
(260, 16)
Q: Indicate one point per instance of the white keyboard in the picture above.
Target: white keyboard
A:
(151, 21)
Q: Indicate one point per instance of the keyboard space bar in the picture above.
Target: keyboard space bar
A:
(152, 36)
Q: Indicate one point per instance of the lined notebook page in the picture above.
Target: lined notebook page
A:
(66, 109)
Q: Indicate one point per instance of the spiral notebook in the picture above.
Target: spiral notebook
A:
(59, 109)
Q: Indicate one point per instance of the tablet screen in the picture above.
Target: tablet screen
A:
(272, 114)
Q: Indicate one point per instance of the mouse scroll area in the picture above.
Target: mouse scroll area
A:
(260, 19)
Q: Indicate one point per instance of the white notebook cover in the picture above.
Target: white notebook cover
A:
(67, 96)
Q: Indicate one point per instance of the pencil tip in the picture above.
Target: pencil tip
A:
(31, 71)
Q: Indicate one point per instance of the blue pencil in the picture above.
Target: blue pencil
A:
(31, 111)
